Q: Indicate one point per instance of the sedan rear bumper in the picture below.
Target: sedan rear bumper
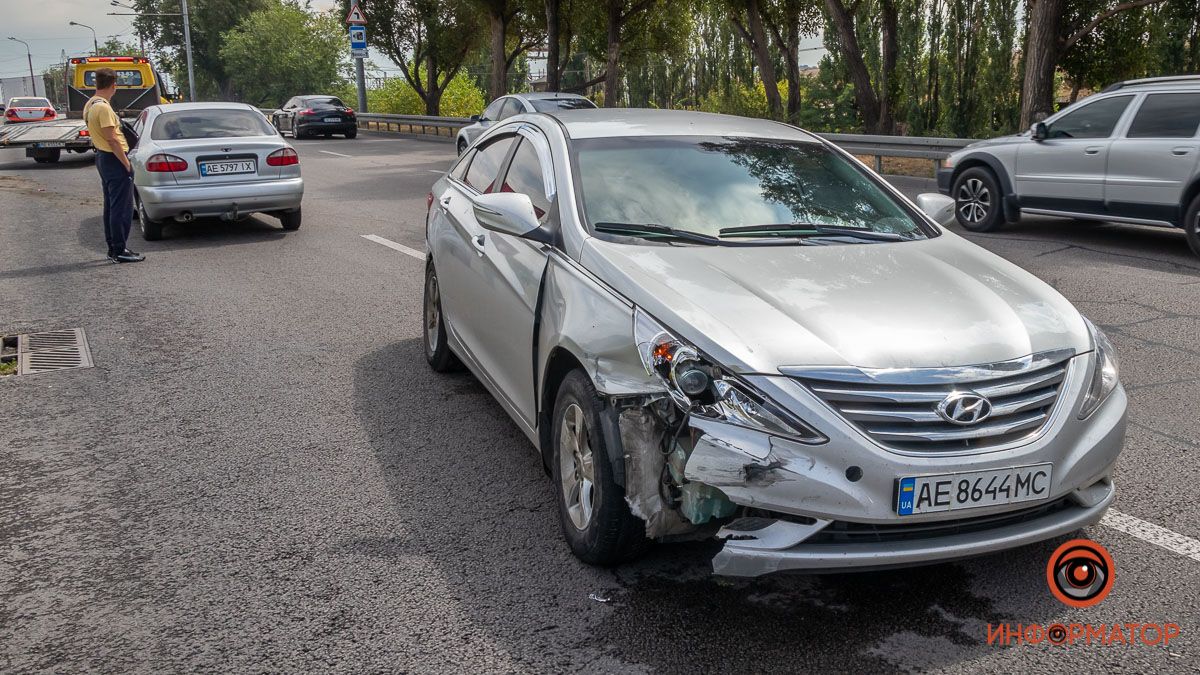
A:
(168, 201)
(319, 127)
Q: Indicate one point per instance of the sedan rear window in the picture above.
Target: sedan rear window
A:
(552, 104)
(325, 100)
(29, 103)
(714, 186)
(212, 123)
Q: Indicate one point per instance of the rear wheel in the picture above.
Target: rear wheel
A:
(290, 220)
(1191, 224)
(596, 521)
(977, 200)
(352, 133)
(437, 347)
(151, 229)
(47, 156)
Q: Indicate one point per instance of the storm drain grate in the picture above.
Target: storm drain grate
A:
(52, 350)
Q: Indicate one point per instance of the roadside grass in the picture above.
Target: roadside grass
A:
(8, 355)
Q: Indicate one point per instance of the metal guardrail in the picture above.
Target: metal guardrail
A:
(916, 147)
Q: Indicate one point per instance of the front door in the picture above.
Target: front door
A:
(1065, 171)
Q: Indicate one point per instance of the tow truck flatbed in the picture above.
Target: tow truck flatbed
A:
(45, 141)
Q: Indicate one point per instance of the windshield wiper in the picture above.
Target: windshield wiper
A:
(808, 229)
(653, 230)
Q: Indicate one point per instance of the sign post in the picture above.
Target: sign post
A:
(358, 50)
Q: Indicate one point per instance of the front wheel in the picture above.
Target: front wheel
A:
(462, 145)
(596, 521)
(1191, 224)
(977, 200)
(437, 347)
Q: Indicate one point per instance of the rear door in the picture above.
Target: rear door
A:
(1149, 166)
(1065, 172)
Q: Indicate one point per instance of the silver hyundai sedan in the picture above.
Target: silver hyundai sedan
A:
(212, 159)
(717, 326)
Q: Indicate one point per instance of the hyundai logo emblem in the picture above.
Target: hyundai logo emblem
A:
(964, 408)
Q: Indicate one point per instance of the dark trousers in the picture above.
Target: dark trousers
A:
(118, 200)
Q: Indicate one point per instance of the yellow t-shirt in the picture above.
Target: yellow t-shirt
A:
(98, 115)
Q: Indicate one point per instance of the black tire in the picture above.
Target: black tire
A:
(298, 134)
(462, 145)
(151, 229)
(608, 533)
(47, 156)
(327, 135)
(290, 220)
(1191, 224)
(433, 333)
(978, 201)
(353, 133)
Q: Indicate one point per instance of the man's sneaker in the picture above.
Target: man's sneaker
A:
(127, 256)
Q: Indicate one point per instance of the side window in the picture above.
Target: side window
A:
(1093, 120)
(1167, 116)
(290, 104)
(140, 122)
(486, 164)
(493, 111)
(511, 107)
(525, 177)
(459, 170)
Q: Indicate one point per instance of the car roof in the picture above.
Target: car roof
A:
(602, 122)
(215, 105)
(543, 95)
(1186, 83)
(307, 96)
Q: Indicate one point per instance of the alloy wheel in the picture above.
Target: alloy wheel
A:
(974, 200)
(433, 315)
(576, 466)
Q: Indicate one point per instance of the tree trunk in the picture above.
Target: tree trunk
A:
(433, 95)
(497, 25)
(860, 77)
(612, 75)
(762, 57)
(887, 74)
(1041, 56)
(553, 9)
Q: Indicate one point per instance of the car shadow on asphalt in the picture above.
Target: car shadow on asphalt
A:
(69, 162)
(470, 495)
(200, 233)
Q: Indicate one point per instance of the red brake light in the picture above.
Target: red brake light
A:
(11, 112)
(49, 111)
(428, 201)
(284, 157)
(308, 111)
(84, 133)
(163, 163)
(349, 111)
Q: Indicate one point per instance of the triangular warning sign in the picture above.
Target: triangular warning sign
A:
(355, 17)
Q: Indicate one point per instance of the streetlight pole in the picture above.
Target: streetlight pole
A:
(187, 37)
(29, 56)
(95, 43)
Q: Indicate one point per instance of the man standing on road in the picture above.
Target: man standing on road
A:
(116, 173)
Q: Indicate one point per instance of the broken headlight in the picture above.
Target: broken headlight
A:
(1104, 373)
(702, 388)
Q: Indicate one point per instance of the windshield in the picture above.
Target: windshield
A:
(213, 123)
(552, 104)
(717, 186)
(29, 103)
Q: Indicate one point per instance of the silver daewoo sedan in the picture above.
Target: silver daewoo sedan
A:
(212, 159)
(713, 326)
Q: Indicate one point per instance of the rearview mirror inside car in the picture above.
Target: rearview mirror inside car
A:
(1039, 131)
(938, 207)
(510, 213)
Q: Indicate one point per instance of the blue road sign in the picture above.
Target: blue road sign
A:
(358, 38)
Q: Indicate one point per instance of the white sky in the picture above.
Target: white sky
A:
(44, 25)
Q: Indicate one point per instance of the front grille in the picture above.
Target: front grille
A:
(839, 532)
(904, 416)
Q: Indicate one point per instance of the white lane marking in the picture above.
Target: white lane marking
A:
(335, 154)
(1153, 534)
(419, 255)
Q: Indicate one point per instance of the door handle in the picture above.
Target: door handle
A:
(445, 202)
(1094, 150)
(479, 241)
(1180, 152)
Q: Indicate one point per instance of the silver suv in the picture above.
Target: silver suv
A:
(1129, 154)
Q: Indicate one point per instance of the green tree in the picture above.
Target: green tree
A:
(282, 51)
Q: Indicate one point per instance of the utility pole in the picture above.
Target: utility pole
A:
(187, 45)
(29, 56)
(95, 43)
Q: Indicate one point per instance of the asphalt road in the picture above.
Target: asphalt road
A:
(261, 474)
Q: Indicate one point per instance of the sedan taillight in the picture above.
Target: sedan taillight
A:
(350, 112)
(284, 157)
(11, 113)
(163, 163)
(49, 112)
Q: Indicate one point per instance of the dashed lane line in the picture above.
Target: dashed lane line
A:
(1152, 534)
(335, 154)
(419, 255)
(1122, 522)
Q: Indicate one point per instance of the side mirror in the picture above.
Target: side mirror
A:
(509, 213)
(1039, 131)
(476, 118)
(938, 207)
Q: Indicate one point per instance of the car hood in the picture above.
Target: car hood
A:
(919, 304)
(999, 140)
